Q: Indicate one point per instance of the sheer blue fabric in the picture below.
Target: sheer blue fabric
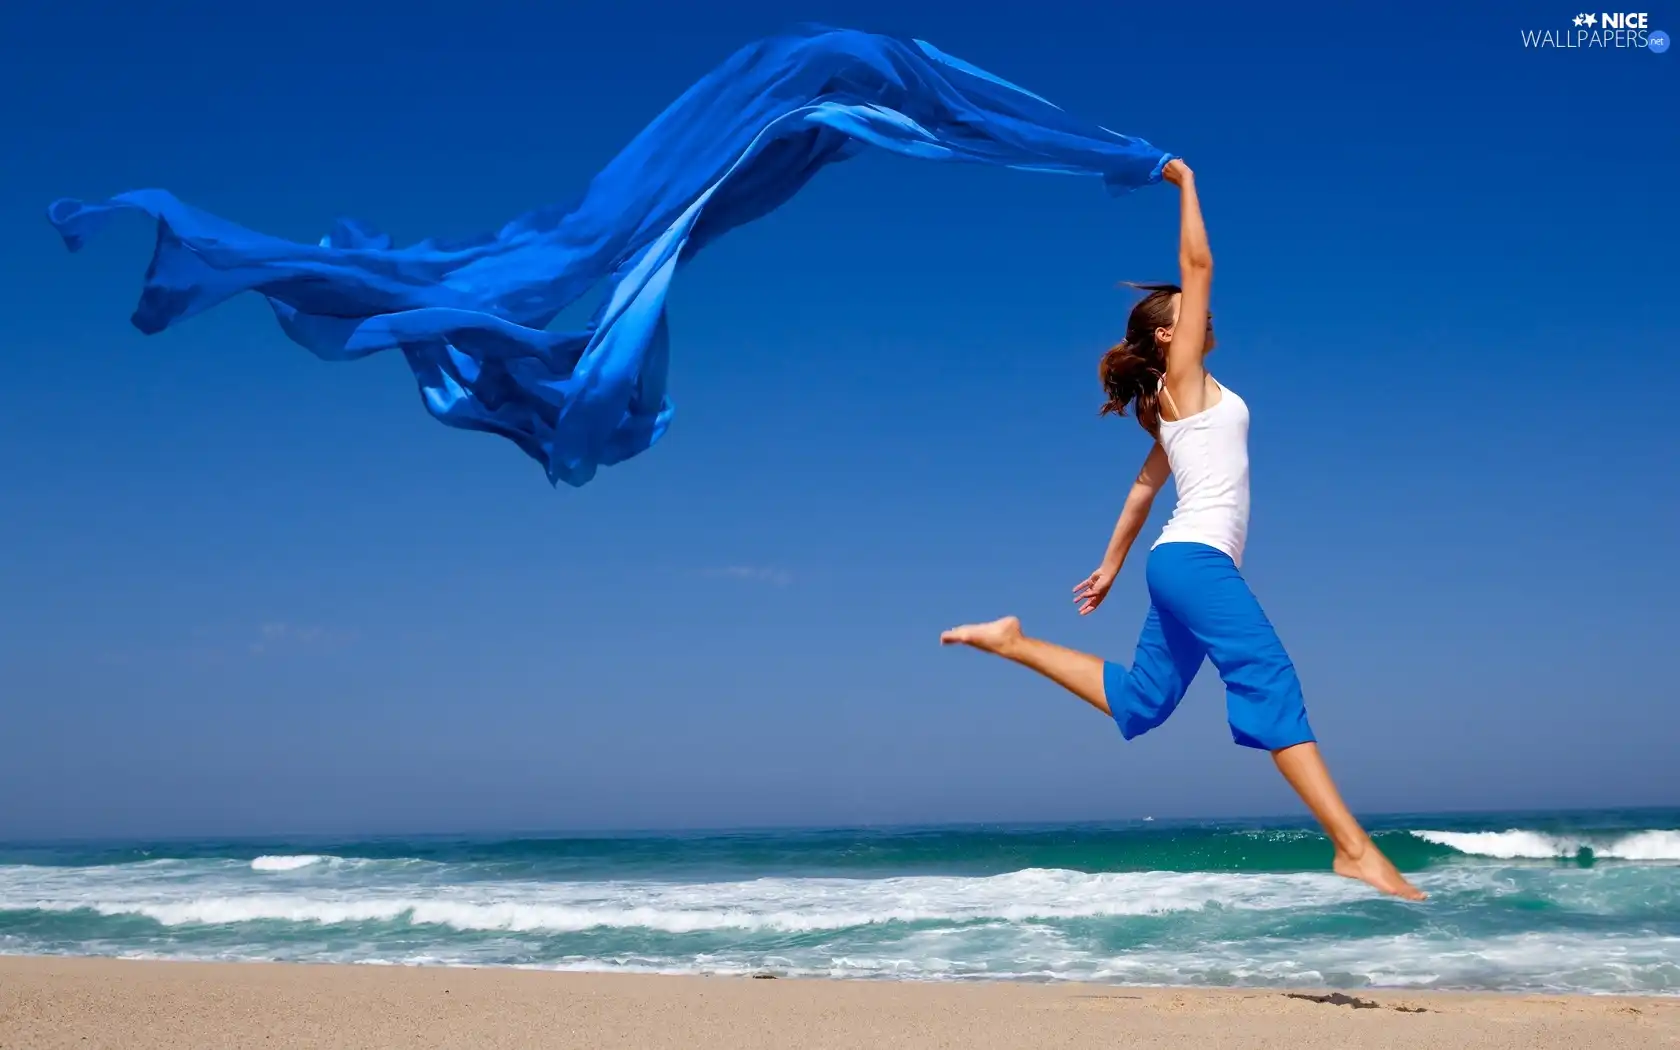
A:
(471, 316)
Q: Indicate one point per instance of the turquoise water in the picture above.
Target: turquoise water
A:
(1520, 902)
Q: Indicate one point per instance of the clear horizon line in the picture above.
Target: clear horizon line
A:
(701, 831)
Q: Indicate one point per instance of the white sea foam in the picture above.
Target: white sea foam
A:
(1506, 845)
(1517, 844)
(285, 863)
(1643, 845)
(1632, 963)
(1260, 929)
(783, 905)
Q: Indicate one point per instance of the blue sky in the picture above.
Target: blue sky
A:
(249, 591)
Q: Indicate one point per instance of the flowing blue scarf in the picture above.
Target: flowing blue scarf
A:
(471, 316)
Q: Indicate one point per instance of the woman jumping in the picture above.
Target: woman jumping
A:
(1200, 607)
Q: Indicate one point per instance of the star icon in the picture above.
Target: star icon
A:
(1580, 19)
(1592, 20)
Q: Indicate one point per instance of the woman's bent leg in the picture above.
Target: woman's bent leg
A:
(1165, 663)
(1079, 673)
(1138, 699)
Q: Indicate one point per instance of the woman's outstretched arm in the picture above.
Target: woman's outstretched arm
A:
(1185, 378)
(1091, 591)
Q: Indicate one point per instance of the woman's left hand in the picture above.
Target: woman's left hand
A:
(1090, 592)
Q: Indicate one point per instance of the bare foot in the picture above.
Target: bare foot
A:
(991, 637)
(1375, 869)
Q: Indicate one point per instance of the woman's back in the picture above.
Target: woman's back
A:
(1208, 453)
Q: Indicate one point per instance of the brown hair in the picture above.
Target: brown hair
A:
(1133, 368)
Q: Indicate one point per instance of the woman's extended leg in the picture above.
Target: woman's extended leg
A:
(1357, 857)
(1079, 673)
(1204, 590)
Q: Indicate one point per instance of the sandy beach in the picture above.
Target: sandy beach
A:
(93, 1003)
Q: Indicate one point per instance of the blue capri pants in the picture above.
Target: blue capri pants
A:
(1201, 608)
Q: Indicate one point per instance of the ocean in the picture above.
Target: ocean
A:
(1581, 902)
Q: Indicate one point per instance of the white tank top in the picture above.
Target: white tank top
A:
(1208, 453)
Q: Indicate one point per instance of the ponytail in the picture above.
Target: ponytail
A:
(1133, 369)
(1130, 375)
